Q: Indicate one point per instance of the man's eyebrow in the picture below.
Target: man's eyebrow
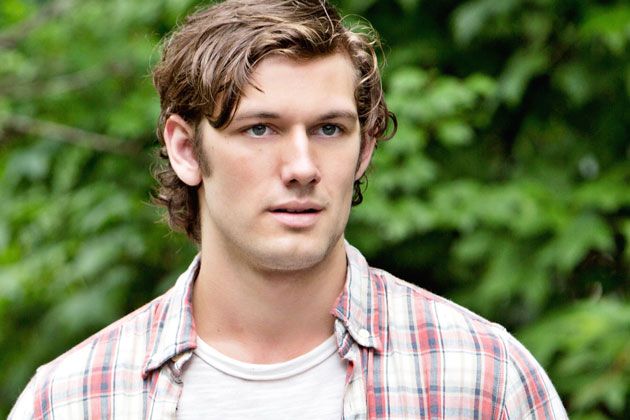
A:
(262, 115)
(350, 115)
(256, 115)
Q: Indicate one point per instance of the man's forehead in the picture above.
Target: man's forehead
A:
(327, 81)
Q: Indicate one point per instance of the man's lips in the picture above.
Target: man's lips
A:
(295, 211)
(297, 214)
(297, 207)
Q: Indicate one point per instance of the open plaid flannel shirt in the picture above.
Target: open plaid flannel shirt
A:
(411, 354)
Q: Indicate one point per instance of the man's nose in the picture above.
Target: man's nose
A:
(299, 165)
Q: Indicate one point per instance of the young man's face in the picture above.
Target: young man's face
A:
(280, 186)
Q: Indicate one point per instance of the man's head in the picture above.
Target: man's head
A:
(209, 61)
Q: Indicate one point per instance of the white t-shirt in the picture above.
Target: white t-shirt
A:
(310, 386)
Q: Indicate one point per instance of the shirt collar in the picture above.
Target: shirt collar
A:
(359, 305)
(172, 330)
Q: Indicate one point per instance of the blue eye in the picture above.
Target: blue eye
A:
(258, 130)
(330, 130)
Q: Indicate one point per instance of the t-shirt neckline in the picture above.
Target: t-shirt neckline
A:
(265, 372)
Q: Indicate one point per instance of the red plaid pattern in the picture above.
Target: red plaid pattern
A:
(411, 354)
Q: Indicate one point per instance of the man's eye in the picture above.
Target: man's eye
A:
(258, 130)
(330, 130)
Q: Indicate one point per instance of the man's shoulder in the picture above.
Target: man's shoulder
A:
(457, 345)
(410, 301)
(122, 345)
(436, 324)
(376, 296)
(108, 365)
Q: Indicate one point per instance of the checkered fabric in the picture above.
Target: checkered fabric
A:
(411, 354)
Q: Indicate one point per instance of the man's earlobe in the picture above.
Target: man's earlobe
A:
(365, 158)
(179, 137)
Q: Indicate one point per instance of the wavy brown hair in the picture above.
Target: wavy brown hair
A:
(209, 59)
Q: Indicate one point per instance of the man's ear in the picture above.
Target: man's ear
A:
(365, 158)
(179, 137)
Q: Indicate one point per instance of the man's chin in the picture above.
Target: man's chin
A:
(294, 261)
(295, 255)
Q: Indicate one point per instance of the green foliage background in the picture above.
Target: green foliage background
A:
(506, 189)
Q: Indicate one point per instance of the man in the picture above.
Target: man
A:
(270, 112)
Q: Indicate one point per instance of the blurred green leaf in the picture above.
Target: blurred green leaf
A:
(472, 16)
(574, 80)
(584, 233)
(610, 24)
(520, 69)
(454, 133)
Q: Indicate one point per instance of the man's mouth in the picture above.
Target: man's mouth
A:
(296, 211)
(297, 214)
(297, 206)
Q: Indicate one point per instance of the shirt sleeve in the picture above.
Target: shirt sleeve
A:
(23, 408)
(529, 391)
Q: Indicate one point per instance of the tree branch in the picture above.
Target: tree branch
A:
(53, 86)
(60, 84)
(26, 125)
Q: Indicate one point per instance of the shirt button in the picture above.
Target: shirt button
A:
(363, 333)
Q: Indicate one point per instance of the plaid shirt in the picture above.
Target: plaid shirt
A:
(411, 354)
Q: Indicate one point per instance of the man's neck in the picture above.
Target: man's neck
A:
(262, 316)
